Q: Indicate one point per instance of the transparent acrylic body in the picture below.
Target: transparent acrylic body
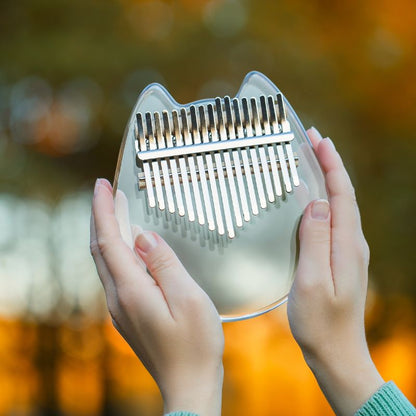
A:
(252, 273)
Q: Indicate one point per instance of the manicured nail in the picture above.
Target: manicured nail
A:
(320, 210)
(146, 241)
(316, 132)
(330, 141)
(97, 182)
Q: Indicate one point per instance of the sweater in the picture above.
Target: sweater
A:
(388, 400)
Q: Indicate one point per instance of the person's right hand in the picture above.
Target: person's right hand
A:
(167, 319)
(327, 300)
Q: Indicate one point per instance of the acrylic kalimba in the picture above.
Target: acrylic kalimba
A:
(225, 182)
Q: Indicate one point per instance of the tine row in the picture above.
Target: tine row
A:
(221, 188)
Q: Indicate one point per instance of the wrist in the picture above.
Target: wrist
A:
(347, 379)
(198, 393)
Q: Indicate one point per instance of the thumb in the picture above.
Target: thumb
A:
(315, 245)
(164, 266)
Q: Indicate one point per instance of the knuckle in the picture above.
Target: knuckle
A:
(161, 261)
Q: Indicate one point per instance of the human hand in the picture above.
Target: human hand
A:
(166, 318)
(327, 300)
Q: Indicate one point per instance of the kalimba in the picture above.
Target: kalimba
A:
(225, 182)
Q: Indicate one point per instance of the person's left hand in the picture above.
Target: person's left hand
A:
(167, 319)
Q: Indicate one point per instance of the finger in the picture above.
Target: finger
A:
(314, 136)
(347, 236)
(100, 265)
(120, 261)
(121, 209)
(340, 190)
(314, 267)
(165, 268)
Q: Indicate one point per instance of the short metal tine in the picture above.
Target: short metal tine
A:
(167, 133)
(253, 153)
(165, 169)
(155, 165)
(220, 172)
(192, 168)
(236, 159)
(211, 173)
(279, 147)
(183, 168)
(244, 156)
(228, 165)
(201, 168)
(262, 151)
(286, 128)
(146, 167)
(265, 121)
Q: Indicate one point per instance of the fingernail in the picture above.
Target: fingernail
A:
(146, 241)
(316, 132)
(97, 182)
(330, 141)
(320, 210)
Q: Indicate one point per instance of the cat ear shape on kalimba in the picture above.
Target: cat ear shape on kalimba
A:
(225, 182)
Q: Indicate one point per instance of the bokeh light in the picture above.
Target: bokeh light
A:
(69, 75)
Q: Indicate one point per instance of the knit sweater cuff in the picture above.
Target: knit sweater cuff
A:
(387, 400)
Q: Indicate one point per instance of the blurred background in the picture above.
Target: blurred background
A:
(70, 71)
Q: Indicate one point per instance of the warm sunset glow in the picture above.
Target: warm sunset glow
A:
(69, 76)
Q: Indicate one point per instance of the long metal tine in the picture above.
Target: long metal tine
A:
(146, 166)
(236, 159)
(167, 132)
(265, 121)
(211, 173)
(192, 168)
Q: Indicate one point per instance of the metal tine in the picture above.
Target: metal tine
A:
(212, 128)
(228, 166)
(286, 128)
(211, 173)
(167, 132)
(265, 121)
(192, 168)
(164, 163)
(146, 166)
(183, 167)
(279, 147)
(201, 168)
(155, 165)
(236, 159)
(253, 153)
(262, 151)
(246, 162)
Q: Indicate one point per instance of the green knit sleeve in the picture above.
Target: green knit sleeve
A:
(388, 400)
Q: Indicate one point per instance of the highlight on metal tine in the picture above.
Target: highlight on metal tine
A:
(167, 133)
(183, 168)
(288, 146)
(164, 164)
(265, 121)
(155, 165)
(280, 151)
(236, 159)
(262, 152)
(228, 168)
(192, 169)
(211, 173)
(146, 167)
(244, 156)
(212, 128)
(201, 170)
(253, 153)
